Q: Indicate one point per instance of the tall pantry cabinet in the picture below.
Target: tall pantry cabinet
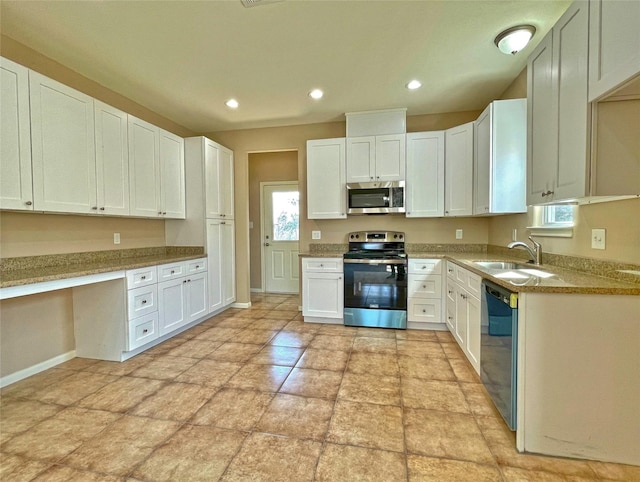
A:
(209, 218)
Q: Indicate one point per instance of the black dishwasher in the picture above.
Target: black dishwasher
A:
(499, 348)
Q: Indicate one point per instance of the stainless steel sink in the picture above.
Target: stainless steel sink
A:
(502, 265)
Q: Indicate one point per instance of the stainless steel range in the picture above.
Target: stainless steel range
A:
(375, 280)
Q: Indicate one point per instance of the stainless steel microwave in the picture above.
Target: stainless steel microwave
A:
(375, 197)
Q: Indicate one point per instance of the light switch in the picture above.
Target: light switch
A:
(458, 233)
(116, 238)
(316, 235)
(598, 238)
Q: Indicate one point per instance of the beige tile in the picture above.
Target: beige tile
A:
(445, 434)
(77, 363)
(293, 339)
(257, 337)
(164, 368)
(73, 388)
(120, 368)
(195, 348)
(233, 409)
(279, 314)
(463, 370)
(417, 335)
(332, 342)
(268, 324)
(235, 352)
(434, 395)
(19, 469)
(367, 425)
(357, 464)
(426, 368)
(512, 474)
(299, 417)
(323, 359)
(337, 330)
(68, 474)
(376, 332)
(219, 333)
(234, 323)
(436, 469)
(176, 401)
(445, 337)
(312, 383)
(59, 435)
(271, 458)
(212, 373)
(383, 365)
(266, 378)
(18, 415)
(452, 350)
(374, 345)
(122, 445)
(192, 454)
(277, 355)
(479, 400)
(25, 388)
(612, 471)
(165, 347)
(370, 388)
(420, 349)
(121, 395)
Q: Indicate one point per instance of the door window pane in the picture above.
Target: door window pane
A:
(286, 214)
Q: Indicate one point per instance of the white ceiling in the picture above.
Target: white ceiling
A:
(184, 59)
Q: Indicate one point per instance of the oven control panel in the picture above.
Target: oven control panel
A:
(376, 236)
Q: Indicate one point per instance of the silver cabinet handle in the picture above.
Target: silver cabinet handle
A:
(548, 193)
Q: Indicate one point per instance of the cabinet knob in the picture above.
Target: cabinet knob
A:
(548, 193)
(172, 271)
(28, 203)
(144, 302)
(184, 280)
(339, 277)
(424, 286)
(464, 297)
(101, 209)
(143, 277)
(145, 331)
(197, 266)
(424, 311)
(189, 280)
(222, 222)
(159, 213)
(95, 208)
(164, 212)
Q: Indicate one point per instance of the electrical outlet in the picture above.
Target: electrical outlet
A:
(316, 235)
(458, 233)
(250, 224)
(514, 235)
(598, 238)
(116, 238)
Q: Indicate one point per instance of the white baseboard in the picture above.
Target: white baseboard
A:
(326, 321)
(241, 305)
(37, 368)
(256, 290)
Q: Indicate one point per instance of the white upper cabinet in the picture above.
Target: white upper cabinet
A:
(63, 147)
(459, 170)
(172, 194)
(500, 158)
(16, 190)
(326, 185)
(112, 160)
(376, 158)
(425, 174)
(144, 169)
(227, 182)
(558, 113)
(219, 181)
(614, 44)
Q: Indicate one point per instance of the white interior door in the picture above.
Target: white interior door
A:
(280, 230)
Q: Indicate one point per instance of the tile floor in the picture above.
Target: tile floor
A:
(259, 395)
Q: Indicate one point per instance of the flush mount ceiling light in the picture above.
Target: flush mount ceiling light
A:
(514, 39)
(316, 94)
(414, 84)
(232, 104)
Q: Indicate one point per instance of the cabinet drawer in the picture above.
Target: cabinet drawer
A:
(474, 284)
(171, 271)
(451, 270)
(425, 266)
(143, 330)
(197, 266)
(142, 301)
(427, 311)
(322, 265)
(425, 286)
(137, 278)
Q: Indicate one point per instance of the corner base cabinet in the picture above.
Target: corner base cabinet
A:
(323, 290)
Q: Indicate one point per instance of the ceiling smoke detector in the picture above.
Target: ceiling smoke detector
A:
(256, 3)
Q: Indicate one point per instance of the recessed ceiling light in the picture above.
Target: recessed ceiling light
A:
(414, 84)
(232, 104)
(514, 39)
(316, 94)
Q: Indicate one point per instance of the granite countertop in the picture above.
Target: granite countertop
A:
(37, 269)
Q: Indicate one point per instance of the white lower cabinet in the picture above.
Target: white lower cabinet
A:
(463, 310)
(424, 310)
(323, 290)
(221, 260)
(143, 330)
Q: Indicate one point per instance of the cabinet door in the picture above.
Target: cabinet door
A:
(197, 306)
(213, 176)
(473, 331)
(390, 157)
(459, 170)
(16, 190)
(112, 160)
(226, 183)
(144, 170)
(63, 147)
(228, 249)
(172, 310)
(461, 315)
(326, 185)
(361, 159)
(482, 162)
(614, 44)
(171, 154)
(542, 144)
(425, 174)
(214, 263)
(323, 295)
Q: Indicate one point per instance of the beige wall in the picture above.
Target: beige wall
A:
(265, 167)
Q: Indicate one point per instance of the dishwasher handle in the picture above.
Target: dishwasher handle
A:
(507, 297)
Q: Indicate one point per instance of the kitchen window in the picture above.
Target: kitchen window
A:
(553, 221)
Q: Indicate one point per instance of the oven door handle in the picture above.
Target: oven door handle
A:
(375, 261)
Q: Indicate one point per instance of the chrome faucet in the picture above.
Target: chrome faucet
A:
(535, 253)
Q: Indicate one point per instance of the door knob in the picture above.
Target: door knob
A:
(266, 244)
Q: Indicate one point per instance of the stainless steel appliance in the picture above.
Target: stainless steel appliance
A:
(375, 197)
(375, 280)
(499, 348)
